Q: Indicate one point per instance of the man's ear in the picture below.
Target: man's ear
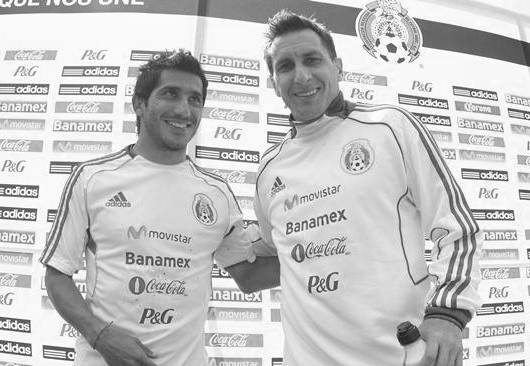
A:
(338, 64)
(276, 90)
(138, 106)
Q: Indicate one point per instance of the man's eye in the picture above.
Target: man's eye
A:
(312, 60)
(196, 100)
(283, 67)
(169, 93)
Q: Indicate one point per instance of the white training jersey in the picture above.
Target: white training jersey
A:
(150, 233)
(346, 202)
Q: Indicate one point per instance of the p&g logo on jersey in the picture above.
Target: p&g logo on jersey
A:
(357, 156)
(322, 284)
(204, 210)
(153, 316)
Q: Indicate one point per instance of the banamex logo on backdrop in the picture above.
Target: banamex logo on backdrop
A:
(23, 106)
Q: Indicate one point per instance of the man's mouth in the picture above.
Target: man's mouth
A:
(177, 123)
(307, 93)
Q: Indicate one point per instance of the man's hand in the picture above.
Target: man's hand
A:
(120, 349)
(443, 343)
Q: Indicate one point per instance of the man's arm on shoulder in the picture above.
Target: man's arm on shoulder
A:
(261, 274)
(116, 346)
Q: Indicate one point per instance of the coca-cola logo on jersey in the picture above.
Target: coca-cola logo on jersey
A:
(228, 340)
(334, 246)
(138, 286)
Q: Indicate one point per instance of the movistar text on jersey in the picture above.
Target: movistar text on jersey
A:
(314, 222)
(296, 200)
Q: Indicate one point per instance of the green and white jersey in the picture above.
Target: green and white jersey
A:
(346, 202)
(149, 233)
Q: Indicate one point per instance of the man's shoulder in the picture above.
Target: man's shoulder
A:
(210, 177)
(104, 162)
(275, 149)
(392, 115)
(377, 109)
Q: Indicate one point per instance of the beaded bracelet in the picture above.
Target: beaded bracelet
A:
(100, 333)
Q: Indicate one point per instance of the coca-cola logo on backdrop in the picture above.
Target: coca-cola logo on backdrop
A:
(234, 115)
(234, 340)
(84, 107)
(499, 273)
(21, 145)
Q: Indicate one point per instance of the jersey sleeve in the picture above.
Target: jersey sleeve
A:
(236, 245)
(447, 221)
(69, 234)
(262, 243)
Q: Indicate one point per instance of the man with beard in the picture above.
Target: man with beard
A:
(148, 223)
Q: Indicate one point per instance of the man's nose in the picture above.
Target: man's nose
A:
(302, 74)
(182, 108)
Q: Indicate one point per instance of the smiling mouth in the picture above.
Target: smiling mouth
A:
(178, 123)
(308, 93)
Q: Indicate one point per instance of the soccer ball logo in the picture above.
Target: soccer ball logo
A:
(203, 209)
(388, 32)
(357, 156)
(391, 48)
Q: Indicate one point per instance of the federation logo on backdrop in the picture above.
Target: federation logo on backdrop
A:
(357, 156)
(203, 209)
(388, 32)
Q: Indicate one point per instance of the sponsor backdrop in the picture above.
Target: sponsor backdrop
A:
(65, 96)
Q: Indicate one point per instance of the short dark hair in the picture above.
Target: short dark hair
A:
(285, 21)
(149, 73)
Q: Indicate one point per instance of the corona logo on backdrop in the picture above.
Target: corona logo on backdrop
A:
(388, 32)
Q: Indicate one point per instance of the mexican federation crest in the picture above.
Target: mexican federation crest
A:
(357, 156)
(203, 209)
(388, 32)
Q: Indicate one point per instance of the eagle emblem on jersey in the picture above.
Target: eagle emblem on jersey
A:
(357, 156)
(203, 209)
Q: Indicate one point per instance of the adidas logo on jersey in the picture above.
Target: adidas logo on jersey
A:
(118, 200)
(277, 186)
